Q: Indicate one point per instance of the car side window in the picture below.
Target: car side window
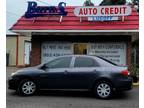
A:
(84, 62)
(63, 62)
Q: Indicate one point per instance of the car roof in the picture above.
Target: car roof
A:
(78, 55)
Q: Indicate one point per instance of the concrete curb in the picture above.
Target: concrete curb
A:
(136, 84)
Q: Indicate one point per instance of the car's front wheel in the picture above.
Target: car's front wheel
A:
(103, 90)
(27, 87)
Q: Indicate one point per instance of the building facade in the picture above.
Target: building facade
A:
(53, 36)
(18, 49)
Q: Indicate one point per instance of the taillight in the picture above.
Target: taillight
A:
(125, 72)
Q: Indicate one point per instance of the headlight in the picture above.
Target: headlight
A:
(13, 76)
(13, 73)
(10, 78)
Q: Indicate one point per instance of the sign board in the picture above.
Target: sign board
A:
(103, 18)
(39, 11)
(115, 52)
(52, 50)
(117, 10)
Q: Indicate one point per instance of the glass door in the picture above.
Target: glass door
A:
(80, 48)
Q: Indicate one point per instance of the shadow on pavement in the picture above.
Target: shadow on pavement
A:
(77, 94)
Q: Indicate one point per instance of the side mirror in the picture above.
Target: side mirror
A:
(44, 67)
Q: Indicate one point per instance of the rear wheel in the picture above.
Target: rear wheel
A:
(103, 90)
(27, 87)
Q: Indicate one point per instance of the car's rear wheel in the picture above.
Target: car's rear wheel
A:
(103, 90)
(27, 87)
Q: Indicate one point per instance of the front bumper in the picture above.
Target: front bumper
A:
(13, 83)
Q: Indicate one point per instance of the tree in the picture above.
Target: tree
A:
(88, 3)
(136, 4)
(113, 2)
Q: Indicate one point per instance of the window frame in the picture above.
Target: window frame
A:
(57, 59)
(94, 61)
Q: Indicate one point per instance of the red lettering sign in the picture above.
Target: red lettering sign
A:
(80, 12)
(121, 10)
(94, 11)
(90, 11)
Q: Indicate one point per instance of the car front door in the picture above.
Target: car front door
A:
(54, 75)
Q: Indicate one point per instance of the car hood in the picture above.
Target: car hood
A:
(35, 69)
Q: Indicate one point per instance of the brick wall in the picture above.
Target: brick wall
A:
(36, 52)
(128, 54)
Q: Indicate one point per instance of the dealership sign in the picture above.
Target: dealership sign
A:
(103, 18)
(53, 50)
(39, 11)
(119, 10)
(115, 52)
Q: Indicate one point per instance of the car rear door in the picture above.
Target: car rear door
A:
(82, 74)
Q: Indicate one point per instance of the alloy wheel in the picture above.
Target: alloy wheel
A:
(28, 87)
(103, 90)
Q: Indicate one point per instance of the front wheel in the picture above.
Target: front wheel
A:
(27, 87)
(103, 90)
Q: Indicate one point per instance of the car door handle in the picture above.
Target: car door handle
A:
(94, 70)
(65, 72)
(43, 76)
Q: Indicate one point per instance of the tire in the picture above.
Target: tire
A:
(103, 90)
(27, 87)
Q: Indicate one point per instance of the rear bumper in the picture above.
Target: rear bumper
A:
(124, 84)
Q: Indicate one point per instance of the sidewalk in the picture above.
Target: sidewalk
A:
(136, 84)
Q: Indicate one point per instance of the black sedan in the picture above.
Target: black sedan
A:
(78, 72)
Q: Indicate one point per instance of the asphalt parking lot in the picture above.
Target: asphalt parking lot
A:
(70, 99)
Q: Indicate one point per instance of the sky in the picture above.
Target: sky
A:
(16, 8)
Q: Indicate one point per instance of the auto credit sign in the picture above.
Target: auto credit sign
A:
(119, 10)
